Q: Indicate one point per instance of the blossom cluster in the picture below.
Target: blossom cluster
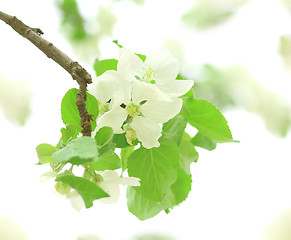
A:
(135, 100)
(109, 181)
(139, 96)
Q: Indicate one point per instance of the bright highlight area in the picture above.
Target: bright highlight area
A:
(239, 55)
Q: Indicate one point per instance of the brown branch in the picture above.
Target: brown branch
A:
(73, 68)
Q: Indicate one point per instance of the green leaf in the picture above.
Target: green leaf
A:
(101, 66)
(181, 188)
(104, 140)
(174, 128)
(88, 190)
(120, 140)
(70, 113)
(188, 153)
(156, 168)
(78, 151)
(68, 133)
(124, 154)
(140, 206)
(207, 119)
(188, 95)
(110, 146)
(141, 56)
(117, 43)
(44, 153)
(103, 136)
(178, 192)
(107, 161)
(145, 208)
(202, 141)
(180, 77)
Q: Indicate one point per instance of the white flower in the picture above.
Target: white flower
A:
(76, 200)
(109, 88)
(160, 69)
(47, 175)
(144, 112)
(139, 97)
(110, 184)
(61, 189)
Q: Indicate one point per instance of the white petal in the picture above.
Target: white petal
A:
(104, 87)
(130, 61)
(110, 185)
(176, 88)
(161, 111)
(113, 118)
(47, 175)
(76, 200)
(147, 132)
(164, 64)
(146, 91)
(109, 176)
(112, 189)
(113, 85)
(129, 181)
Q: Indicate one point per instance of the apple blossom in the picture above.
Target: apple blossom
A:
(63, 189)
(110, 184)
(47, 175)
(143, 109)
(160, 68)
(129, 101)
(76, 200)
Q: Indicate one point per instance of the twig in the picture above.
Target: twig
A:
(73, 68)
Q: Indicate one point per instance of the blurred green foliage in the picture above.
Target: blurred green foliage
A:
(83, 32)
(154, 237)
(15, 100)
(279, 227)
(285, 50)
(286, 4)
(72, 20)
(207, 13)
(231, 87)
(138, 2)
(235, 87)
(10, 229)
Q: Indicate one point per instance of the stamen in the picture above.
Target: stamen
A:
(132, 110)
(149, 75)
(103, 108)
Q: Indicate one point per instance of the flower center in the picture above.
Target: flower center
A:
(132, 109)
(103, 108)
(149, 75)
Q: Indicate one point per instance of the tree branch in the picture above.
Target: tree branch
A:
(73, 68)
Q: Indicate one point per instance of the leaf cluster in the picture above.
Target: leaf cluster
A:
(164, 171)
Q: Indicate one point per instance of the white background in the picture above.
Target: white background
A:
(237, 189)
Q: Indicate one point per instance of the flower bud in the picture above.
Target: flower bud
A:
(62, 188)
